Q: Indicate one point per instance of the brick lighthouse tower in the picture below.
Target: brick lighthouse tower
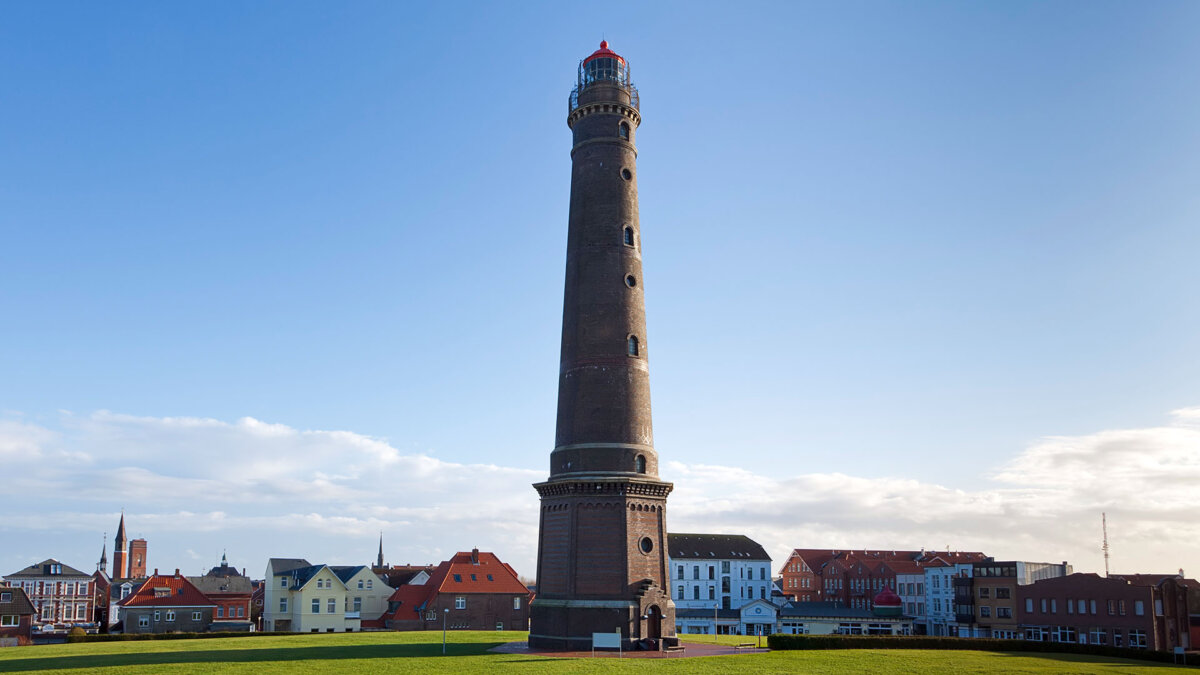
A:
(602, 558)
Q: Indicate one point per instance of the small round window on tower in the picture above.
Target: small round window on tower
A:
(630, 280)
(626, 174)
(646, 545)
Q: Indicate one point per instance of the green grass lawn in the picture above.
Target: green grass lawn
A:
(421, 652)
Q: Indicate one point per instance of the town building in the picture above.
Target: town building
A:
(471, 591)
(910, 586)
(165, 604)
(1140, 611)
(713, 572)
(833, 618)
(305, 598)
(986, 600)
(61, 595)
(852, 576)
(602, 544)
(16, 617)
(942, 618)
(230, 590)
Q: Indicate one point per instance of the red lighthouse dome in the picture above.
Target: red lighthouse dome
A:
(604, 53)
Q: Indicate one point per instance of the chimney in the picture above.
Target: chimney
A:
(475, 556)
(155, 571)
(176, 571)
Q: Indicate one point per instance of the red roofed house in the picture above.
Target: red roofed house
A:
(471, 591)
(16, 616)
(166, 604)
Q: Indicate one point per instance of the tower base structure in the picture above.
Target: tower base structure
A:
(602, 563)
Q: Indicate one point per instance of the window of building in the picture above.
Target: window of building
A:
(370, 583)
(724, 584)
(679, 569)
(762, 592)
(634, 347)
(724, 567)
(626, 174)
(1112, 608)
(458, 578)
(331, 606)
(639, 464)
(646, 545)
(1139, 609)
(1029, 605)
(1003, 612)
(695, 571)
(623, 130)
(430, 615)
(517, 603)
(460, 602)
(1003, 593)
(220, 612)
(712, 593)
(1121, 607)
(985, 612)
(283, 604)
(762, 574)
(283, 582)
(143, 621)
(195, 616)
(695, 592)
(679, 592)
(360, 584)
(629, 236)
(241, 611)
(9, 620)
(316, 605)
(358, 604)
(984, 592)
(1137, 638)
(1093, 606)
(1053, 605)
(157, 615)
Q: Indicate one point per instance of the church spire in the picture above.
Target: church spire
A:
(103, 554)
(379, 560)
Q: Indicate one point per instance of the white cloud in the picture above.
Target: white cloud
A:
(195, 486)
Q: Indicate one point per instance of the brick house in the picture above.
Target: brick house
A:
(471, 591)
(1116, 611)
(230, 590)
(61, 595)
(166, 604)
(852, 576)
(16, 616)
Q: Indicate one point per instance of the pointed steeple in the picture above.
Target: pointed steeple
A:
(379, 560)
(103, 554)
(122, 540)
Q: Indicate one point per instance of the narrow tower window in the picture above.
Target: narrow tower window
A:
(629, 236)
(623, 130)
(633, 345)
(639, 464)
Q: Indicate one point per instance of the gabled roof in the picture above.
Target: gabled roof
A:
(714, 547)
(473, 572)
(230, 585)
(302, 575)
(18, 602)
(167, 591)
(347, 572)
(43, 569)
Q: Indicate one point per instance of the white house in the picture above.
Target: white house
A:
(712, 577)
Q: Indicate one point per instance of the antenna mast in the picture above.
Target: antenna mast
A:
(1104, 529)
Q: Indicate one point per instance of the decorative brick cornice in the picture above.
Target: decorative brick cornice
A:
(601, 486)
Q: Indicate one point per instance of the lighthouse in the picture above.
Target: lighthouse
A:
(602, 554)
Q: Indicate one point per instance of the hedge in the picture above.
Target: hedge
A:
(122, 637)
(785, 642)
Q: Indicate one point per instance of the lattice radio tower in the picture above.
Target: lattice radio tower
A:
(1104, 547)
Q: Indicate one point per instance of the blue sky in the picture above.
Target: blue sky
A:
(911, 244)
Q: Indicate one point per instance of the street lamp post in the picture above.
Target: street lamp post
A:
(445, 614)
